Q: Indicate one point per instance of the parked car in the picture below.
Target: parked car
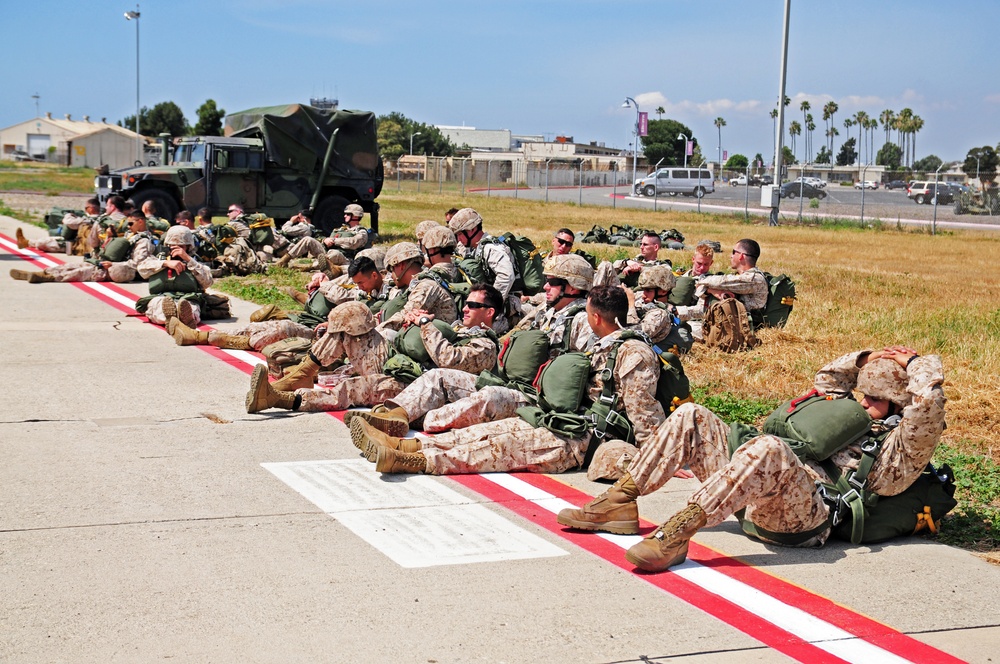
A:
(766, 179)
(896, 184)
(792, 189)
(922, 192)
(20, 155)
(738, 181)
(673, 181)
(867, 184)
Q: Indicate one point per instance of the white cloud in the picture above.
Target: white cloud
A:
(650, 101)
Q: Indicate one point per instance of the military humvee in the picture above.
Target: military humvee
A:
(275, 160)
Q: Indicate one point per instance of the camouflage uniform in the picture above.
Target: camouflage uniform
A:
(426, 294)
(765, 476)
(294, 230)
(153, 264)
(512, 444)
(347, 241)
(343, 289)
(142, 248)
(750, 288)
(267, 332)
(366, 350)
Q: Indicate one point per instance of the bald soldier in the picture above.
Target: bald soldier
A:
(514, 444)
(902, 410)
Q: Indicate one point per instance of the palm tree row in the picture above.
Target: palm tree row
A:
(906, 125)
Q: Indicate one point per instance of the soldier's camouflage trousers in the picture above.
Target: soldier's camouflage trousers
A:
(764, 475)
(504, 446)
(354, 391)
(267, 332)
(119, 272)
(447, 399)
(310, 246)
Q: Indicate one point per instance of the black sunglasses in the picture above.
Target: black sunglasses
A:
(555, 282)
(477, 305)
(565, 243)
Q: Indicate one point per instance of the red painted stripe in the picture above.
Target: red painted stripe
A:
(865, 628)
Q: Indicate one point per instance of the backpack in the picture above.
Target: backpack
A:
(459, 290)
(727, 327)
(317, 310)
(521, 356)
(780, 301)
(672, 234)
(240, 259)
(288, 352)
(408, 357)
(596, 234)
(117, 250)
(682, 294)
(816, 426)
(527, 262)
(261, 230)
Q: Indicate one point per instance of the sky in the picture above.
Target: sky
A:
(549, 67)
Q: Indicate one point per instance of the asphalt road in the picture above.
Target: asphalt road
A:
(146, 517)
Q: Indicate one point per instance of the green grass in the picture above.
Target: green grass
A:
(733, 408)
(49, 180)
(34, 220)
(264, 288)
(975, 523)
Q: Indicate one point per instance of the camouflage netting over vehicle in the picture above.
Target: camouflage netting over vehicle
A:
(291, 133)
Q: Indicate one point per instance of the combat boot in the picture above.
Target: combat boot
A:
(20, 275)
(40, 278)
(22, 242)
(180, 309)
(393, 421)
(268, 312)
(369, 440)
(668, 545)
(614, 511)
(324, 266)
(263, 396)
(393, 461)
(296, 295)
(283, 261)
(184, 335)
(299, 377)
(230, 341)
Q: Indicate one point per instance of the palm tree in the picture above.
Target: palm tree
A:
(794, 129)
(804, 107)
(887, 118)
(848, 123)
(871, 125)
(830, 109)
(659, 112)
(810, 128)
(903, 122)
(719, 124)
(830, 133)
(860, 118)
(774, 130)
(916, 124)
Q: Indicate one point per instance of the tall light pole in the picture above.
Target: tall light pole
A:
(978, 184)
(635, 153)
(416, 133)
(138, 136)
(773, 219)
(686, 139)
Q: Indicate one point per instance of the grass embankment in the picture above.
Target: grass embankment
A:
(45, 178)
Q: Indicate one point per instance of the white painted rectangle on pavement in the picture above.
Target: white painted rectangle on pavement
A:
(415, 520)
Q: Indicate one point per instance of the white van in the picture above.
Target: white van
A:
(673, 181)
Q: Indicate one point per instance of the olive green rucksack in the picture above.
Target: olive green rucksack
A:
(817, 426)
(780, 301)
(682, 294)
(117, 250)
(522, 354)
(527, 260)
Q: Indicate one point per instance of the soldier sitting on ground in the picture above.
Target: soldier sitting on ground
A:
(628, 269)
(514, 444)
(902, 411)
(362, 382)
(338, 249)
(414, 289)
(116, 261)
(177, 280)
(156, 225)
(656, 317)
(496, 258)
(73, 230)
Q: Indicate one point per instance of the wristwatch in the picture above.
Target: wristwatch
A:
(423, 321)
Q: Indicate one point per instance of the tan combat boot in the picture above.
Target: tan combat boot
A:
(299, 377)
(283, 261)
(180, 309)
(230, 341)
(324, 266)
(614, 511)
(393, 461)
(393, 421)
(296, 295)
(20, 275)
(184, 335)
(40, 278)
(268, 312)
(668, 545)
(22, 242)
(369, 440)
(263, 396)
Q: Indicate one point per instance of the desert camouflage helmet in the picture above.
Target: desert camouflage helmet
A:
(657, 276)
(573, 268)
(465, 220)
(377, 254)
(354, 210)
(610, 460)
(178, 236)
(402, 251)
(884, 379)
(353, 318)
(421, 229)
(439, 237)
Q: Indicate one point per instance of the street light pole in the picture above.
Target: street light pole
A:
(686, 139)
(138, 136)
(978, 184)
(635, 151)
(416, 133)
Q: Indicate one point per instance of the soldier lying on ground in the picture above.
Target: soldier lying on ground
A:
(765, 477)
(513, 444)
(361, 382)
(116, 261)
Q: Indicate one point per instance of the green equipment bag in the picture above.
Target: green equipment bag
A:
(522, 354)
(528, 262)
(316, 311)
(919, 508)
(168, 281)
(561, 383)
(780, 301)
(473, 271)
(284, 354)
(597, 234)
(117, 250)
(672, 387)
(672, 235)
(215, 307)
(817, 426)
(403, 368)
(682, 294)
(409, 342)
(393, 306)
(261, 230)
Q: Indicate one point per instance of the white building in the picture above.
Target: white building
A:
(71, 142)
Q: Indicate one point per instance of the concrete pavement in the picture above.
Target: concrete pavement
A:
(138, 522)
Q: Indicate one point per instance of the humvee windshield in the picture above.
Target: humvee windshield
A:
(192, 154)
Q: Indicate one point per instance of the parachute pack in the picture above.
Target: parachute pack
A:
(527, 261)
(780, 301)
